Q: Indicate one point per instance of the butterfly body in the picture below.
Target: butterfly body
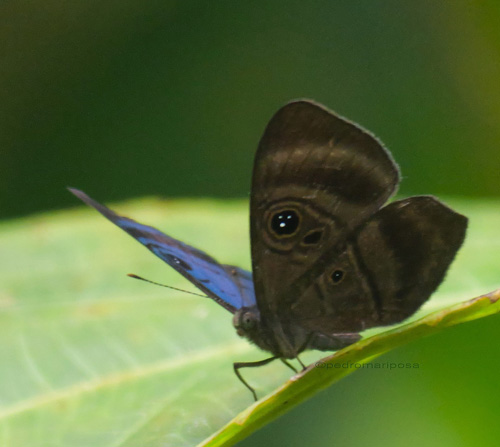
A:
(328, 259)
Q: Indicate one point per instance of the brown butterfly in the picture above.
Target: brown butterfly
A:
(329, 260)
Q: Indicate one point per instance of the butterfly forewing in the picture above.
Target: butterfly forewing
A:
(231, 290)
(316, 178)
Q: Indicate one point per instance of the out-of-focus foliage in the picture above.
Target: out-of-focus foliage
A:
(127, 98)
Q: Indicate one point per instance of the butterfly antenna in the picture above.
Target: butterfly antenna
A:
(131, 275)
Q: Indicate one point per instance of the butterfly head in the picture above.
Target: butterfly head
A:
(248, 324)
(268, 335)
(246, 321)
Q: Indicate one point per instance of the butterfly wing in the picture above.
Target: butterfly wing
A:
(244, 281)
(327, 260)
(388, 269)
(229, 286)
(316, 178)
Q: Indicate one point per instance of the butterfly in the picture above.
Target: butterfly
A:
(328, 259)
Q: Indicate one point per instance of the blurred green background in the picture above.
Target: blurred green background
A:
(126, 98)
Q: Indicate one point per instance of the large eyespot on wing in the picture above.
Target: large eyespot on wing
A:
(198, 267)
(405, 250)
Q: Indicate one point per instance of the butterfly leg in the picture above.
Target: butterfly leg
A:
(301, 363)
(289, 365)
(304, 346)
(238, 365)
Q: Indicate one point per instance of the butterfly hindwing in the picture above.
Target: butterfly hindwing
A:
(230, 290)
(387, 269)
(406, 248)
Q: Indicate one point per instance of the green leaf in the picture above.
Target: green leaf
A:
(91, 357)
(329, 370)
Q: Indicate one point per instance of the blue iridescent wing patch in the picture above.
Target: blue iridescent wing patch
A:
(231, 287)
(244, 281)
